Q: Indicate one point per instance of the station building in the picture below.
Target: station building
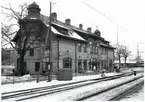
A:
(72, 47)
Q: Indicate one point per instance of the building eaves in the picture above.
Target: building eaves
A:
(107, 45)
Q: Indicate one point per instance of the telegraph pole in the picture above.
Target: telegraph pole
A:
(117, 34)
(50, 46)
(43, 51)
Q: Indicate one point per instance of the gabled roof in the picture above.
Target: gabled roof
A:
(72, 30)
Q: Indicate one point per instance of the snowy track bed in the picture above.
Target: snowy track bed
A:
(77, 93)
(104, 92)
(115, 93)
(36, 92)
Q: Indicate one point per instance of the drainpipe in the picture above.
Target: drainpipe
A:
(107, 60)
(76, 57)
(58, 54)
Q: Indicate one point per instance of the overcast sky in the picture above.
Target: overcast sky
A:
(130, 14)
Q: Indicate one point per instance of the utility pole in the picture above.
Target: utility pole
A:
(43, 51)
(117, 34)
(137, 55)
(50, 47)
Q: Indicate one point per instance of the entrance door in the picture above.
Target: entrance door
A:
(37, 66)
(94, 64)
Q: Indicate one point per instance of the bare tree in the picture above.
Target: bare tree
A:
(125, 53)
(9, 30)
(118, 53)
(26, 41)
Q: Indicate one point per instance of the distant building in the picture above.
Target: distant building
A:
(8, 56)
(72, 47)
(129, 64)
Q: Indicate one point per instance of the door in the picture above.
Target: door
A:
(37, 66)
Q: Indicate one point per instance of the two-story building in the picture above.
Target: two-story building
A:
(72, 47)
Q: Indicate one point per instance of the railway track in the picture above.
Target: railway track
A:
(131, 89)
(41, 91)
(118, 91)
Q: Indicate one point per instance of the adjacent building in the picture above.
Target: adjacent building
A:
(8, 56)
(72, 47)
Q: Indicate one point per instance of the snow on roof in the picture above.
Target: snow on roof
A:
(75, 35)
(33, 18)
(60, 25)
(80, 30)
(55, 31)
(71, 34)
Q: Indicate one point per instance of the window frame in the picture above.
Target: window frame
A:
(67, 62)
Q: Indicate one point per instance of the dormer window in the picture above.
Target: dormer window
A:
(79, 48)
(31, 52)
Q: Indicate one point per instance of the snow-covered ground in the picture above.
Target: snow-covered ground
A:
(5, 79)
(33, 84)
(59, 96)
(139, 95)
(75, 93)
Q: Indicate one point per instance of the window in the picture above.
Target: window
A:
(31, 52)
(79, 48)
(90, 64)
(91, 49)
(97, 50)
(94, 49)
(67, 63)
(105, 64)
(106, 51)
(37, 66)
(79, 65)
(110, 63)
(85, 64)
(102, 50)
(2, 70)
(102, 63)
(85, 48)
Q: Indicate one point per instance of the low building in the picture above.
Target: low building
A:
(8, 56)
(72, 47)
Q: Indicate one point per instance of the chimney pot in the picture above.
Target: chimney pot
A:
(89, 29)
(80, 26)
(68, 21)
(54, 15)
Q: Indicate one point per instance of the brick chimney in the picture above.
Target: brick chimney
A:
(80, 26)
(33, 10)
(89, 29)
(54, 16)
(68, 21)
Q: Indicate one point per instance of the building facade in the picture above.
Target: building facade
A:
(72, 47)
